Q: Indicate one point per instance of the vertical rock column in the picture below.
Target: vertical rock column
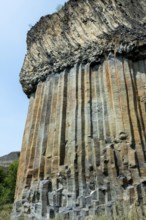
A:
(83, 150)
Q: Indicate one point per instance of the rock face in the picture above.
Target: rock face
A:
(84, 145)
(6, 160)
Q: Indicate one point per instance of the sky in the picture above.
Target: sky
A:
(16, 17)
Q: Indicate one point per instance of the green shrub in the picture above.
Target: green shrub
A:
(5, 212)
(8, 183)
(2, 175)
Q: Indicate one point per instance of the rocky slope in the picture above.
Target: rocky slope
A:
(84, 145)
(6, 160)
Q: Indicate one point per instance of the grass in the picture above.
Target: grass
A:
(5, 212)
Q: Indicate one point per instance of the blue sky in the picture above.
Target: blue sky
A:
(15, 19)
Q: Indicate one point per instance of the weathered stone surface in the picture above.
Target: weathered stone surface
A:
(83, 31)
(84, 145)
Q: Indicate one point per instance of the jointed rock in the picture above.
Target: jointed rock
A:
(84, 145)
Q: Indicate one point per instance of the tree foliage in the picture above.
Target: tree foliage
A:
(8, 183)
(58, 7)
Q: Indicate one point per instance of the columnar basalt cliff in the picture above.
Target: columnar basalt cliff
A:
(84, 147)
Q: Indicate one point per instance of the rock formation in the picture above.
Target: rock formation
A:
(6, 160)
(84, 145)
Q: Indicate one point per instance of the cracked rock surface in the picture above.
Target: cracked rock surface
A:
(84, 146)
(83, 31)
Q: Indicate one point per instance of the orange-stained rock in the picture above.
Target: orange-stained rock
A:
(84, 146)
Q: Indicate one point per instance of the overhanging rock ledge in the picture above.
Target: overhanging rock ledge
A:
(83, 31)
(84, 146)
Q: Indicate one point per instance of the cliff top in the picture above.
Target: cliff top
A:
(83, 31)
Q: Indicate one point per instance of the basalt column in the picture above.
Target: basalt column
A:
(84, 146)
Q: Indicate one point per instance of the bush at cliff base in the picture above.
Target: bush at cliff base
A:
(8, 183)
